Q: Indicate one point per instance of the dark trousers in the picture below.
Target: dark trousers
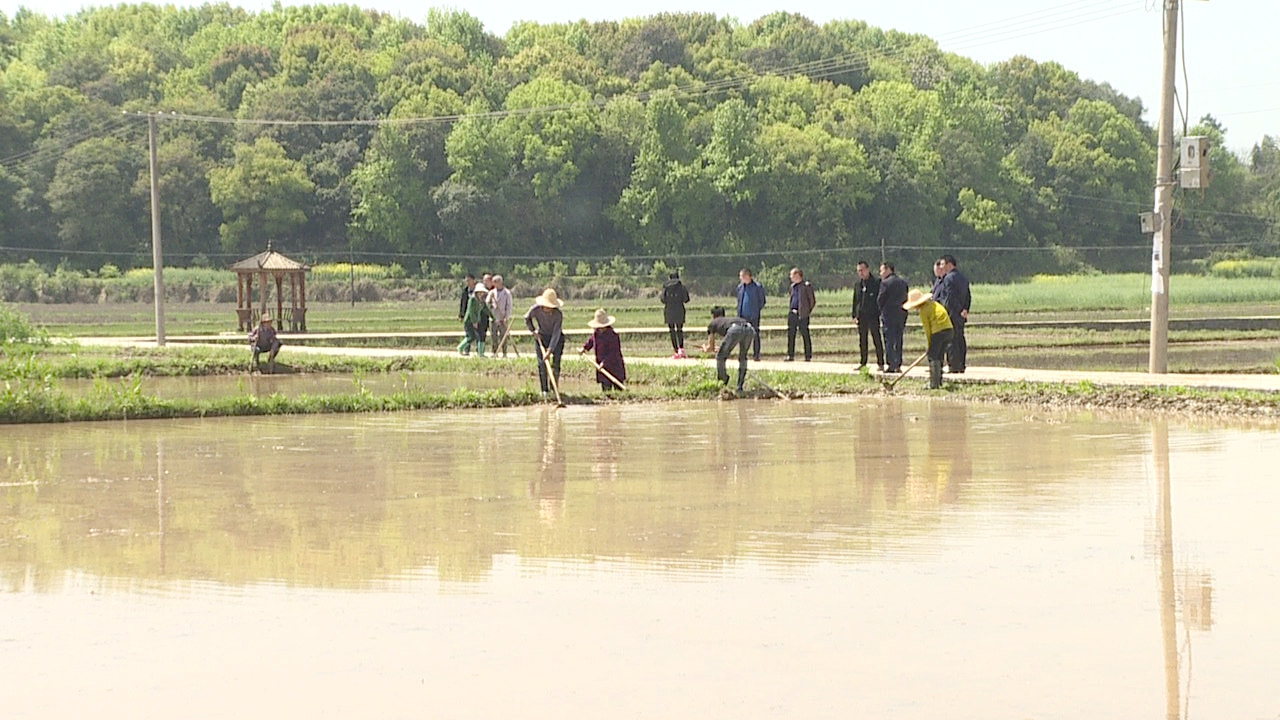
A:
(755, 344)
(677, 336)
(739, 336)
(938, 344)
(797, 324)
(893, 345)
(870, 327)
(556, 353)
(956, 356)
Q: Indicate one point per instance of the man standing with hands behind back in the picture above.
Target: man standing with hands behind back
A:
(893, 293)
(952, 291)
(750, 305)
(866, 313)
(803, 299)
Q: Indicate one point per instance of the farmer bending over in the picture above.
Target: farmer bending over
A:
(738, 333)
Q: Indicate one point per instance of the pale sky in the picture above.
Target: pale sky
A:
(1232, 54)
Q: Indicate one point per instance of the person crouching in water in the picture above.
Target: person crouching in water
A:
(738, 333)
(608, 347)
(938, 331)
(474, 321)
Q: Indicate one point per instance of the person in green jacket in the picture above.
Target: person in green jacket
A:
(472, 319)
(938, 331)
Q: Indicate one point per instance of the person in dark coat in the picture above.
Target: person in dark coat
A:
(866, 313)
(674, 297)
(893, 319)
(952, 291)
(803, 300)
(751, 300)
(608, 347)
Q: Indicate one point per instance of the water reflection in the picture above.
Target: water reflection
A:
(879, 558)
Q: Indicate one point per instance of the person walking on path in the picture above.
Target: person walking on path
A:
(500, 305)
(803, 300)
(893, 319)
(674, 297)
(952, 291)
(937, 331)
(473, 322)
(738, 333)
(608, 348)
(550, 334)
(467, 291)
(866, 314)
(751, 300)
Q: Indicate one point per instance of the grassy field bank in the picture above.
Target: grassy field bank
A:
(32, 377)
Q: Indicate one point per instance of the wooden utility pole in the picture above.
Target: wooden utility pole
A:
(157, 257)
(1162, 239)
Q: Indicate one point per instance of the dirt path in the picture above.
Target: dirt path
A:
(1222, 381)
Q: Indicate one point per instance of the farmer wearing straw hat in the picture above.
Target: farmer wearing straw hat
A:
(473, 321)
(937, 331)
(263, 338)
(549, 334)
(608, 347)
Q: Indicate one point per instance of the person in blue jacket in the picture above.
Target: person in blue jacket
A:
(750, 304)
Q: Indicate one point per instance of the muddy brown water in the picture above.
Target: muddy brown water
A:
(835, 559)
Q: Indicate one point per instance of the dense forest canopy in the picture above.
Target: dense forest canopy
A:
(686, 137)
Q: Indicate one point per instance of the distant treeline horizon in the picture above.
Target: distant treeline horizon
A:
(338, 133)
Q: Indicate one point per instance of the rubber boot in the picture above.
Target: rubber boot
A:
(464, 347)
(480, 349)
(935, 374)
(742, 379)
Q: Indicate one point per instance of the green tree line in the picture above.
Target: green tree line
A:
(691, 138)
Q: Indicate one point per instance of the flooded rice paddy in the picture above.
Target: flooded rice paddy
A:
(871, 558)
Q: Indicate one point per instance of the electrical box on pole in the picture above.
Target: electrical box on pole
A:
(1193, 172)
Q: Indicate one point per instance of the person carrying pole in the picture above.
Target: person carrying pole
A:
(738, 333)
(938, 331)
(549, 335)
(611, 369)
(501, 306)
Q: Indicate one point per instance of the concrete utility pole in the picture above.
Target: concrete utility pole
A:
(157, 257)
(1162, 239)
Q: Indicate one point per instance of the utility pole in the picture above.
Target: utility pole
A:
(157, 257)
(1162, 239)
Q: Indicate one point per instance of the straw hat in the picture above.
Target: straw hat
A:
(916, 299)
(602, 319)
(548, 299)
(480, 290)
(266, 317)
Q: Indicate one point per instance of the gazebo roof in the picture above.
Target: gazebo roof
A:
(269, 260)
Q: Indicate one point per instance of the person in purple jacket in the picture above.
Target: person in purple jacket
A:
(608, 347)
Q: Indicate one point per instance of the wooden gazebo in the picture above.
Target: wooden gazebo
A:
(270, 266)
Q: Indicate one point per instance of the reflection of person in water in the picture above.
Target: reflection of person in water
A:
(894, 456)
(950, 464)
(547, 486)
(604, 449)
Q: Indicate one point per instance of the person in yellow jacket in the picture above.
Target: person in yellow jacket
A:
(938, 331)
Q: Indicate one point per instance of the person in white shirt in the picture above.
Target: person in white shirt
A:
(500, 306)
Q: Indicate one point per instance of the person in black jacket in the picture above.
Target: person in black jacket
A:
(674, 297)
(893, 318)
(952, 291)
(866, 313)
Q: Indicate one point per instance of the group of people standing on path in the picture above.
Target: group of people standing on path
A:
(485, 309)
(881, 306)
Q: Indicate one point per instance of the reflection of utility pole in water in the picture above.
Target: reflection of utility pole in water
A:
(160, 498)
(1168, 598)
